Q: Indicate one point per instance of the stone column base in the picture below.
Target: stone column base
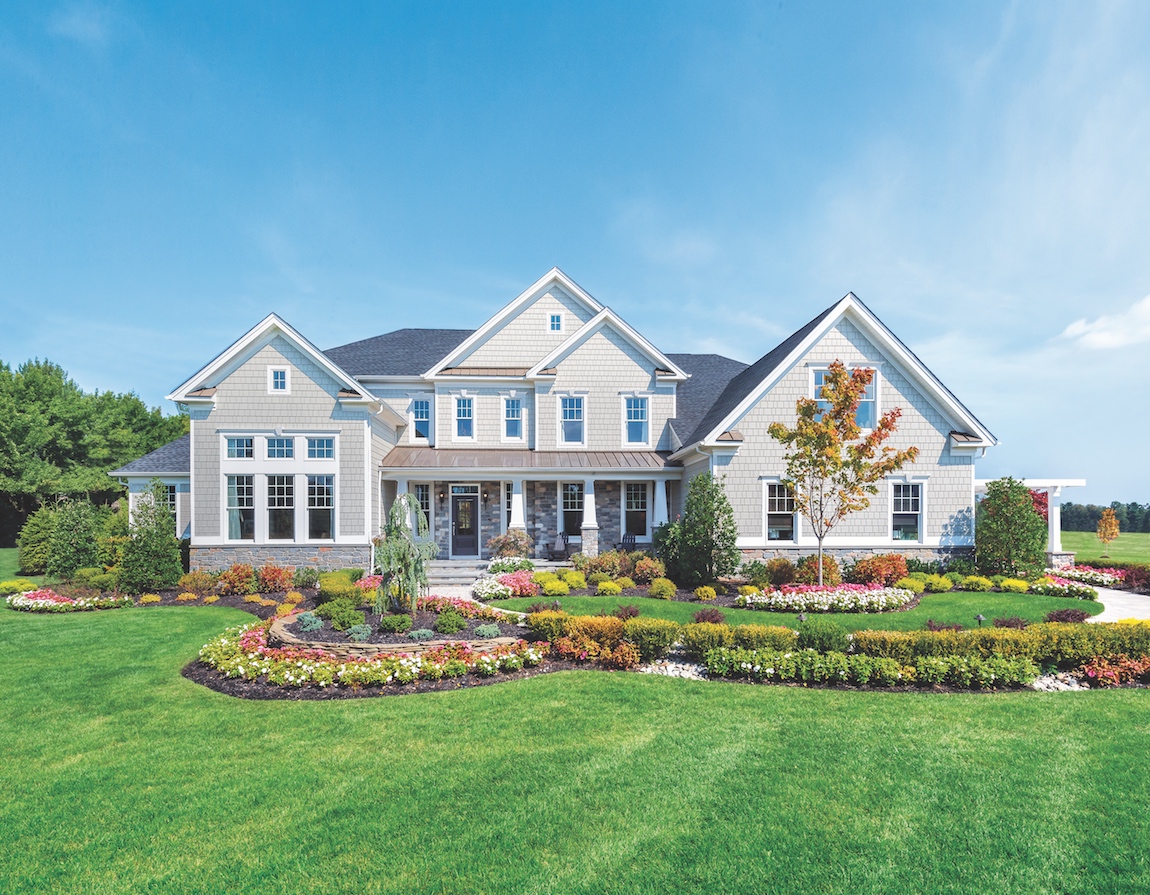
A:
(1059, 560)
(590, 540)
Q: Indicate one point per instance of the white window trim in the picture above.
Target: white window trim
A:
(876, 381)
(633, 445)
(623, 509)
(278, 368)
(334, 458)
(562, 322)
(279, 460)
(411, 436)
(777, 480)
(522, 439)
(455, 436)
(559, 442)
(921, 481)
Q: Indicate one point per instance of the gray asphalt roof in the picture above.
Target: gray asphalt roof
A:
(710, 374)
(174, 458)
(745, 382)
(405, 352)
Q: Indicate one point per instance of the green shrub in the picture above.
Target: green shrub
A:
(198, 582)
(1014, 585)
(774, 637)
(625, 583)
(358, 633)
(976, 583)
(755, 572)
(749, 590)
(914, 585)
(34, 541)
(604, 630)
(338, 586)
(347, 618)
(151, 555)
(85, 576)
(488, 631)
(807, 570)
(698, 638)
(555, 588)
(353, 575)
(920, 576)
(73, 544)
(450, 623)
(954, 578)
(823, 635)
(937, 584)
(1009, 534)
(597, 578)
(305, 577)
(15, 586)
(334, 607)
(781, 571)
(106, 581)
(608, 589)
(662, 589)
(705, 593)
(542, 578)
(308, 621)
(395, 624)
(575, 580)
(548, 625)
(421, 634)
(653, 636)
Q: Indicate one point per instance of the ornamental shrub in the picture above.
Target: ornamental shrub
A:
(574, 579)
(1014, 585)
(34, 540)
(548, 625)
(596, 578)
(1011, 622)
(238, 579)
(488, 631)
(305, 577)
(781, 571)
(937, 584)
(450, 623)
(885, 569)
(347, 618)
(604, 630)
(541, 578)
(774, 637)
(608, 589)
(976, 583)
(187, 598)
(705, 593)
(626, 612)
(422, 634)
(16, 586)
(755, 572)
(151, 555)
(699, 638)
(1009, 534)
(198, 582)
(625, 582)
(148, 599)
(749, 590)
(553, 606)
(211, 598)
(395, 624)
(710, 615)
(647, 569)
(338, 585)
(706, 535)
(73, 543)
(358, 633)
(514, 542)
(555, 588)
(274, 579)
(807, 570)
(623, 657)
(653, 636)
(85, 576)
(331, 607)
(1067, 615)
(955, 578)
(353, 574)
(662, 589)
(911, 584)
(823, 635)
(293, 597)
(282, 609)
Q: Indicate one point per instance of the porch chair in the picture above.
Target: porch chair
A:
(627, 544)
(560, 548)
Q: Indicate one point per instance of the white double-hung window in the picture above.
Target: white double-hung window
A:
(635, 420)
(571, 429)
(867, 414)
(421, 418)
(465, 418)
(513, 419)
(906, 515)
(241, 508)
(780, 512)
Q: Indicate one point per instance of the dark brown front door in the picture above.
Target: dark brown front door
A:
(464, 525)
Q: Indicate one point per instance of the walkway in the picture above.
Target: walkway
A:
(1121, 604)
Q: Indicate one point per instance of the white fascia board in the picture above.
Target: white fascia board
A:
(554, 275)
(604, 318)
(550, 473)
(270, 323)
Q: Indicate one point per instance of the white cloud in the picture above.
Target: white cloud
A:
(88, 25)
(1130, 327)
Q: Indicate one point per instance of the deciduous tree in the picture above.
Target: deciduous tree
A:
(1009, 534)
(1107, 529)
(832, 467)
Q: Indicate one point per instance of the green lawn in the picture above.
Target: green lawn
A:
(955, 607)
(120, 776)
(1129, 547)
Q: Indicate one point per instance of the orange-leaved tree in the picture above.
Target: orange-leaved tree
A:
(832, 467)
(1107, 530)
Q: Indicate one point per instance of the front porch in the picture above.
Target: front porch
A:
(469, 503)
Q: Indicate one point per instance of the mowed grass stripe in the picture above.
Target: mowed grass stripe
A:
(136, 780)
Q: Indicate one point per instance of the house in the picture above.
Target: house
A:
(555, 416)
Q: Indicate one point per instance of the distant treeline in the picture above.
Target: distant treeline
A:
(58, 440)
(1085, 516)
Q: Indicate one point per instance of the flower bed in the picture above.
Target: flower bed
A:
(244, 653)
(1057, 586)
(47, 600)
(466, 608)
(1088, 575)
(840, 598)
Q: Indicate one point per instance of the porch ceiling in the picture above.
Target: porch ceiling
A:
(425, 458)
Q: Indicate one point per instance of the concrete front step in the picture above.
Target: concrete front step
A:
(463, 572)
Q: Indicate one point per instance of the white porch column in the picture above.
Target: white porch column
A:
(589, 530)
(518, 505)
(660, 515)
(1054, 520)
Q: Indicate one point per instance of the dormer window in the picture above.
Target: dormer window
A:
(556, 323)
(279, 383)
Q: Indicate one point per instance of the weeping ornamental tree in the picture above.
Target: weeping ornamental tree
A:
(832, 468)
(401, 555)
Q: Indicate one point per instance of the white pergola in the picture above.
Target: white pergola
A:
(1053, 489)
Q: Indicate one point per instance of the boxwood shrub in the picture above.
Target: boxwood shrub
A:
(700, 638)
(653, 636)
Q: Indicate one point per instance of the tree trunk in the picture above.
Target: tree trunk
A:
(820, 562)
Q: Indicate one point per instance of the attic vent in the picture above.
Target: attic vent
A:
(348, 393)
(202, 393)
(731, 435)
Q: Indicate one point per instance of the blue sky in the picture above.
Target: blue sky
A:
(717, 173)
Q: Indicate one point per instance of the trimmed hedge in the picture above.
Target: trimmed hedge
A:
(701, 637)
(653, 636)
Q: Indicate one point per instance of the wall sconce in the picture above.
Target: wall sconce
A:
(485, 496)
(441, 495)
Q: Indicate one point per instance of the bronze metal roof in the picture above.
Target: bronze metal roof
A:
(404, 457)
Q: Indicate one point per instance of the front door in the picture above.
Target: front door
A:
(464, 525)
